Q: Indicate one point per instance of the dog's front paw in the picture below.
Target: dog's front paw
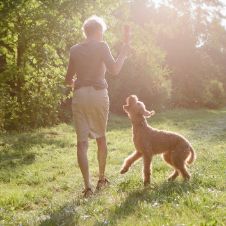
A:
(123, 170)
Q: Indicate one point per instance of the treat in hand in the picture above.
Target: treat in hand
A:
(126, 34)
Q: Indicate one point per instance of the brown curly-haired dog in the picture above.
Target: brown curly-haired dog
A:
(176, 150)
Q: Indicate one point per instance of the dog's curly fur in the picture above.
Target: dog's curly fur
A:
(176, 150)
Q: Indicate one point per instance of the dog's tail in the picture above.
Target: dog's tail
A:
(192, 156)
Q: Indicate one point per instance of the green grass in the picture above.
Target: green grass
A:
(40, 182)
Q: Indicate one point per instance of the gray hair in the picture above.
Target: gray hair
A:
(93, 24)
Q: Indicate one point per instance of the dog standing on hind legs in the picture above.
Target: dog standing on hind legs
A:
(176, 150)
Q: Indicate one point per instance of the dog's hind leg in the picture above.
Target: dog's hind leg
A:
(167, 158)
(173, 176)
(182, 170)
(179, 156)
(184, 173)
(129, 161)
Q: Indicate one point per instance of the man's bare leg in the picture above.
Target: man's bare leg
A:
(102, 156)
(82, 148)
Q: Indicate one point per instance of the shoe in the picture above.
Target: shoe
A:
(102, 183)
(87, 192)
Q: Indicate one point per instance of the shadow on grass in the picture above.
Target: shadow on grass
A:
(66, 215)
(167, 192)
(17, 149)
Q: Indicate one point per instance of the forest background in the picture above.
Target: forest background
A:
(178, 55)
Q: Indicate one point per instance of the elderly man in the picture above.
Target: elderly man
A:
(89, 61)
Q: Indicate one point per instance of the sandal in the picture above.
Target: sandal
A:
(102, 183)
(87, 192)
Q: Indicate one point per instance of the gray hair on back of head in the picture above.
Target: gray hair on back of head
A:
(93, 24)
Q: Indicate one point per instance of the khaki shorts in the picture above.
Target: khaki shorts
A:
(90, 109)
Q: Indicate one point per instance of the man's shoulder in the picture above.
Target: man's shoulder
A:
(104, 46)
(101, 46)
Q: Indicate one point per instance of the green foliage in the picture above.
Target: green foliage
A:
(214, 94)
(170, 64)
(144, 73)
(35, 48)
(35, 38)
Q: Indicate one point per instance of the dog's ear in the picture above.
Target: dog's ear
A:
(148, 114)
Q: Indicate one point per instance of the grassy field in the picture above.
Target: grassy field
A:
(40, 183)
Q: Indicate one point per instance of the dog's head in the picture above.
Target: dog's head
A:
(134, 107)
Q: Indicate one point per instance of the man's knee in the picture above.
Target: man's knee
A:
(101, 142)
(81, 145)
